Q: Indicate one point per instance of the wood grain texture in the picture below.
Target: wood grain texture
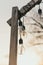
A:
(14, 35)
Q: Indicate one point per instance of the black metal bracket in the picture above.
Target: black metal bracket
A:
(25, 9)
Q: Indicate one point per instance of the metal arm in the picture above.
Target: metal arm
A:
(25, 9)
(28, 7)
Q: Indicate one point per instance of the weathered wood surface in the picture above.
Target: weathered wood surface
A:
(14, 35)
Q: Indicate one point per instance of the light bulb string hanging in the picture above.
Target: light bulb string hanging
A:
(21, 43)
(21, 25)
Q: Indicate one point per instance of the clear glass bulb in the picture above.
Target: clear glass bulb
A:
(21, 49)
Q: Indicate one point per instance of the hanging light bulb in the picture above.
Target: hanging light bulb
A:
(40, 11)
(24, 33)
(21, 31)
(21, 50)
(20, 41)
(21, 44)
(22, 26)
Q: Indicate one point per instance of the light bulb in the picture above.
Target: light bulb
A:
(24, 33)
(21, 49)
(39, 11)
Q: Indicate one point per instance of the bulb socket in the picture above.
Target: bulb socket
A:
(20, 23)
(39, 11)
(20, 41)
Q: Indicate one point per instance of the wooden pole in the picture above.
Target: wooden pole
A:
(14, 35)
